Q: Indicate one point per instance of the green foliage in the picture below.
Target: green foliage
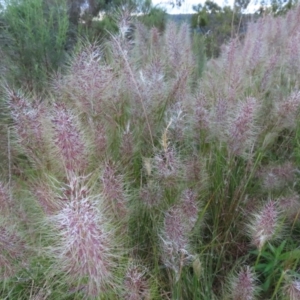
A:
(277, 7)
(240, 5)
(217, 24)
(35, 36)
(272, 264)
(155, 17)
(199, 49)
(98, 30)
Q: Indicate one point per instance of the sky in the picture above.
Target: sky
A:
(187, 5)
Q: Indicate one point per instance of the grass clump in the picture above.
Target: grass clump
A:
(136, 179)
(34, 37)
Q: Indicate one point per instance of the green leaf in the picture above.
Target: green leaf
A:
(266, 284)
(294, 254)
(270, 266)
(261, 267)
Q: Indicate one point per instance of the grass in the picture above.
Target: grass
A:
(136, 179)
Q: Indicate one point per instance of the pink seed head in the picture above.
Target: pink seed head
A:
(264, 226)
(86, 81)
(201, 112)
(174, 228)
(46, 198)
(68, 139)
(113, 191)
(5, 201)
(287, 111)
(85, 248)
(189, 209)
(292, 290)
(151, 194)
(136, 284)
(100, 139)
(241, 129)
(290, 206)
(167, 167)
(12, 251)
(127, 145)
(27, 116)
(276, 177)
(243, 285)
(174, 241)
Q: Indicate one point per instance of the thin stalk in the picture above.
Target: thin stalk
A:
(277, 285)
(137, 88)
(9, 163)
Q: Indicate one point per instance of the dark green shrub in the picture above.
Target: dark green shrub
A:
(34, 34)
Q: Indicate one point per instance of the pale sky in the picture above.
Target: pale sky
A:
(186, 6)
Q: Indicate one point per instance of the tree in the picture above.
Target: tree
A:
(91, 8)
(277, 7)
(216, 23)
(240, 5)
(156, 17)
(142, 10)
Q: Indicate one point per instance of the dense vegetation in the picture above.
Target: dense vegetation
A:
(132, 169)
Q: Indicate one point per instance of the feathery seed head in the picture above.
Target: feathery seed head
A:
(167, 166)
(68, 139)
(174, 241)
(276, 177)
(242, 286)
(292, 290)
(124, 22)
(218, 119)
(290, 206)
(113, 191)
(242, 128)
(174, 228)
(5, 201)
(155, 36)
(127, 145)
(151, 194)
(100, 139)
(85, 248)
(27, 116)
(201, 113)
(189, 208)
(287, 111)
(177, 123)
(265, 225)
(136, 284)
(12, 251)
(228, 55)
(257, 53)
(195, 171)
(86, 81)
(46, 198)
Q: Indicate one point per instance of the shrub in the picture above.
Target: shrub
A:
(35, 36)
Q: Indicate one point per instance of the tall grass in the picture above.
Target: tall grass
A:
(34, 38)
(135, 179)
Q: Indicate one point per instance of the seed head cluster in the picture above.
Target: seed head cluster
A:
(265, 224)
(84, 248)
(243, 285)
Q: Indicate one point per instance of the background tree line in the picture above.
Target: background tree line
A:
(219, 24)
(37, 36)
